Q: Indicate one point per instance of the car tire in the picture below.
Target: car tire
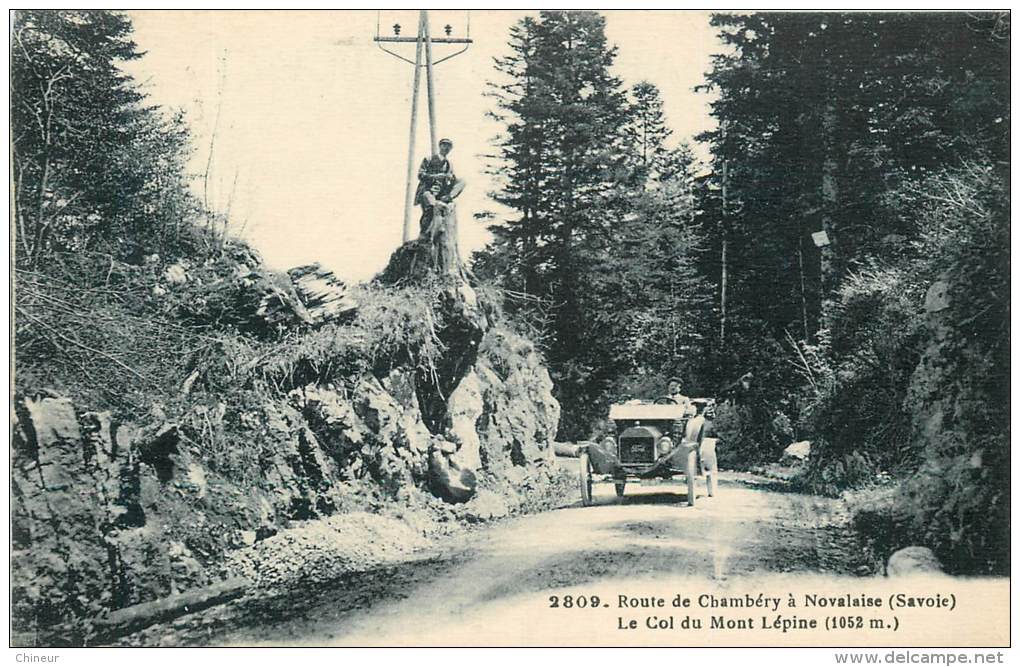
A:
(584, 465)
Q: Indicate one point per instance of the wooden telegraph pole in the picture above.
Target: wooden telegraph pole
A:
(422, 39)
(409, 187)
(430, 80)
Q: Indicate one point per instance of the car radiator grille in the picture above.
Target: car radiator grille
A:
(637, 450)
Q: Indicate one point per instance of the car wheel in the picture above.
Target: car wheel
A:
(585, 478)
(620, 486)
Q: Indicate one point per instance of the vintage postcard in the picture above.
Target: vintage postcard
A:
(515, 328)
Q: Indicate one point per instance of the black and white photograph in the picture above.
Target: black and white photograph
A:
(551, 328)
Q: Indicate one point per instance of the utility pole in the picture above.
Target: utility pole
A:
(430, 80)
(422, 39)
(409, 186)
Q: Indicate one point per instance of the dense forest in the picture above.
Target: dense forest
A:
(847, 245)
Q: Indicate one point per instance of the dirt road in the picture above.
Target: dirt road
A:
(493, 585)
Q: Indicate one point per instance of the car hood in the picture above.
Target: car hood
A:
(646, 411)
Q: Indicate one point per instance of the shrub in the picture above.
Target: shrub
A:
(753, 430)
(856, 375)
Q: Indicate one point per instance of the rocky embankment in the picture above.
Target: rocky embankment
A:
(341, 474)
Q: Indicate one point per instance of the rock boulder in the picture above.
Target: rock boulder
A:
(913, 561)
(797, 453)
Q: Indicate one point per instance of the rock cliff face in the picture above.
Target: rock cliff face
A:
(109, 514)
(416, 405)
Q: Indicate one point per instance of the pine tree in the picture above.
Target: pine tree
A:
(519, 166)
(562, 158)
(91, 162)
(609, 233)
(647, 134)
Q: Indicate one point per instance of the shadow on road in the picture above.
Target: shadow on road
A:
(591, 565)
(292, 613)
(668, 496)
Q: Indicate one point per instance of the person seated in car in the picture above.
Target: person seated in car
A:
(673, 391)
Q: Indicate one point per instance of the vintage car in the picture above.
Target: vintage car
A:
(653, 440)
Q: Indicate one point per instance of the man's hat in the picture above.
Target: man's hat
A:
(444, 140)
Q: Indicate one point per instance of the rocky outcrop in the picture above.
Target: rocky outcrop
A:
(54, 512)
(448, 389)
(108, 514)
(465, 407)
(309, 295)
(324, 296)
(92, 506)
(958, 400)
(519, 414)
(253, 298)
(463, 323)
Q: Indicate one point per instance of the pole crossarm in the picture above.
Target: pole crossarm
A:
(435, 40)
(411, 40)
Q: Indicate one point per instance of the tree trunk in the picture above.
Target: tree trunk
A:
(444, 244)
(803, 293)
(434, 253)
(724, 277)
(134, 618)
(830, 201)
(528, 245)
(40, 227)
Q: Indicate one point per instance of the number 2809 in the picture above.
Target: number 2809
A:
(574, 601)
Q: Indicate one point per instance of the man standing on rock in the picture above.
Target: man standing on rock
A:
(438, 186)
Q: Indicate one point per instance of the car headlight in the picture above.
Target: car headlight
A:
(665, 445)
